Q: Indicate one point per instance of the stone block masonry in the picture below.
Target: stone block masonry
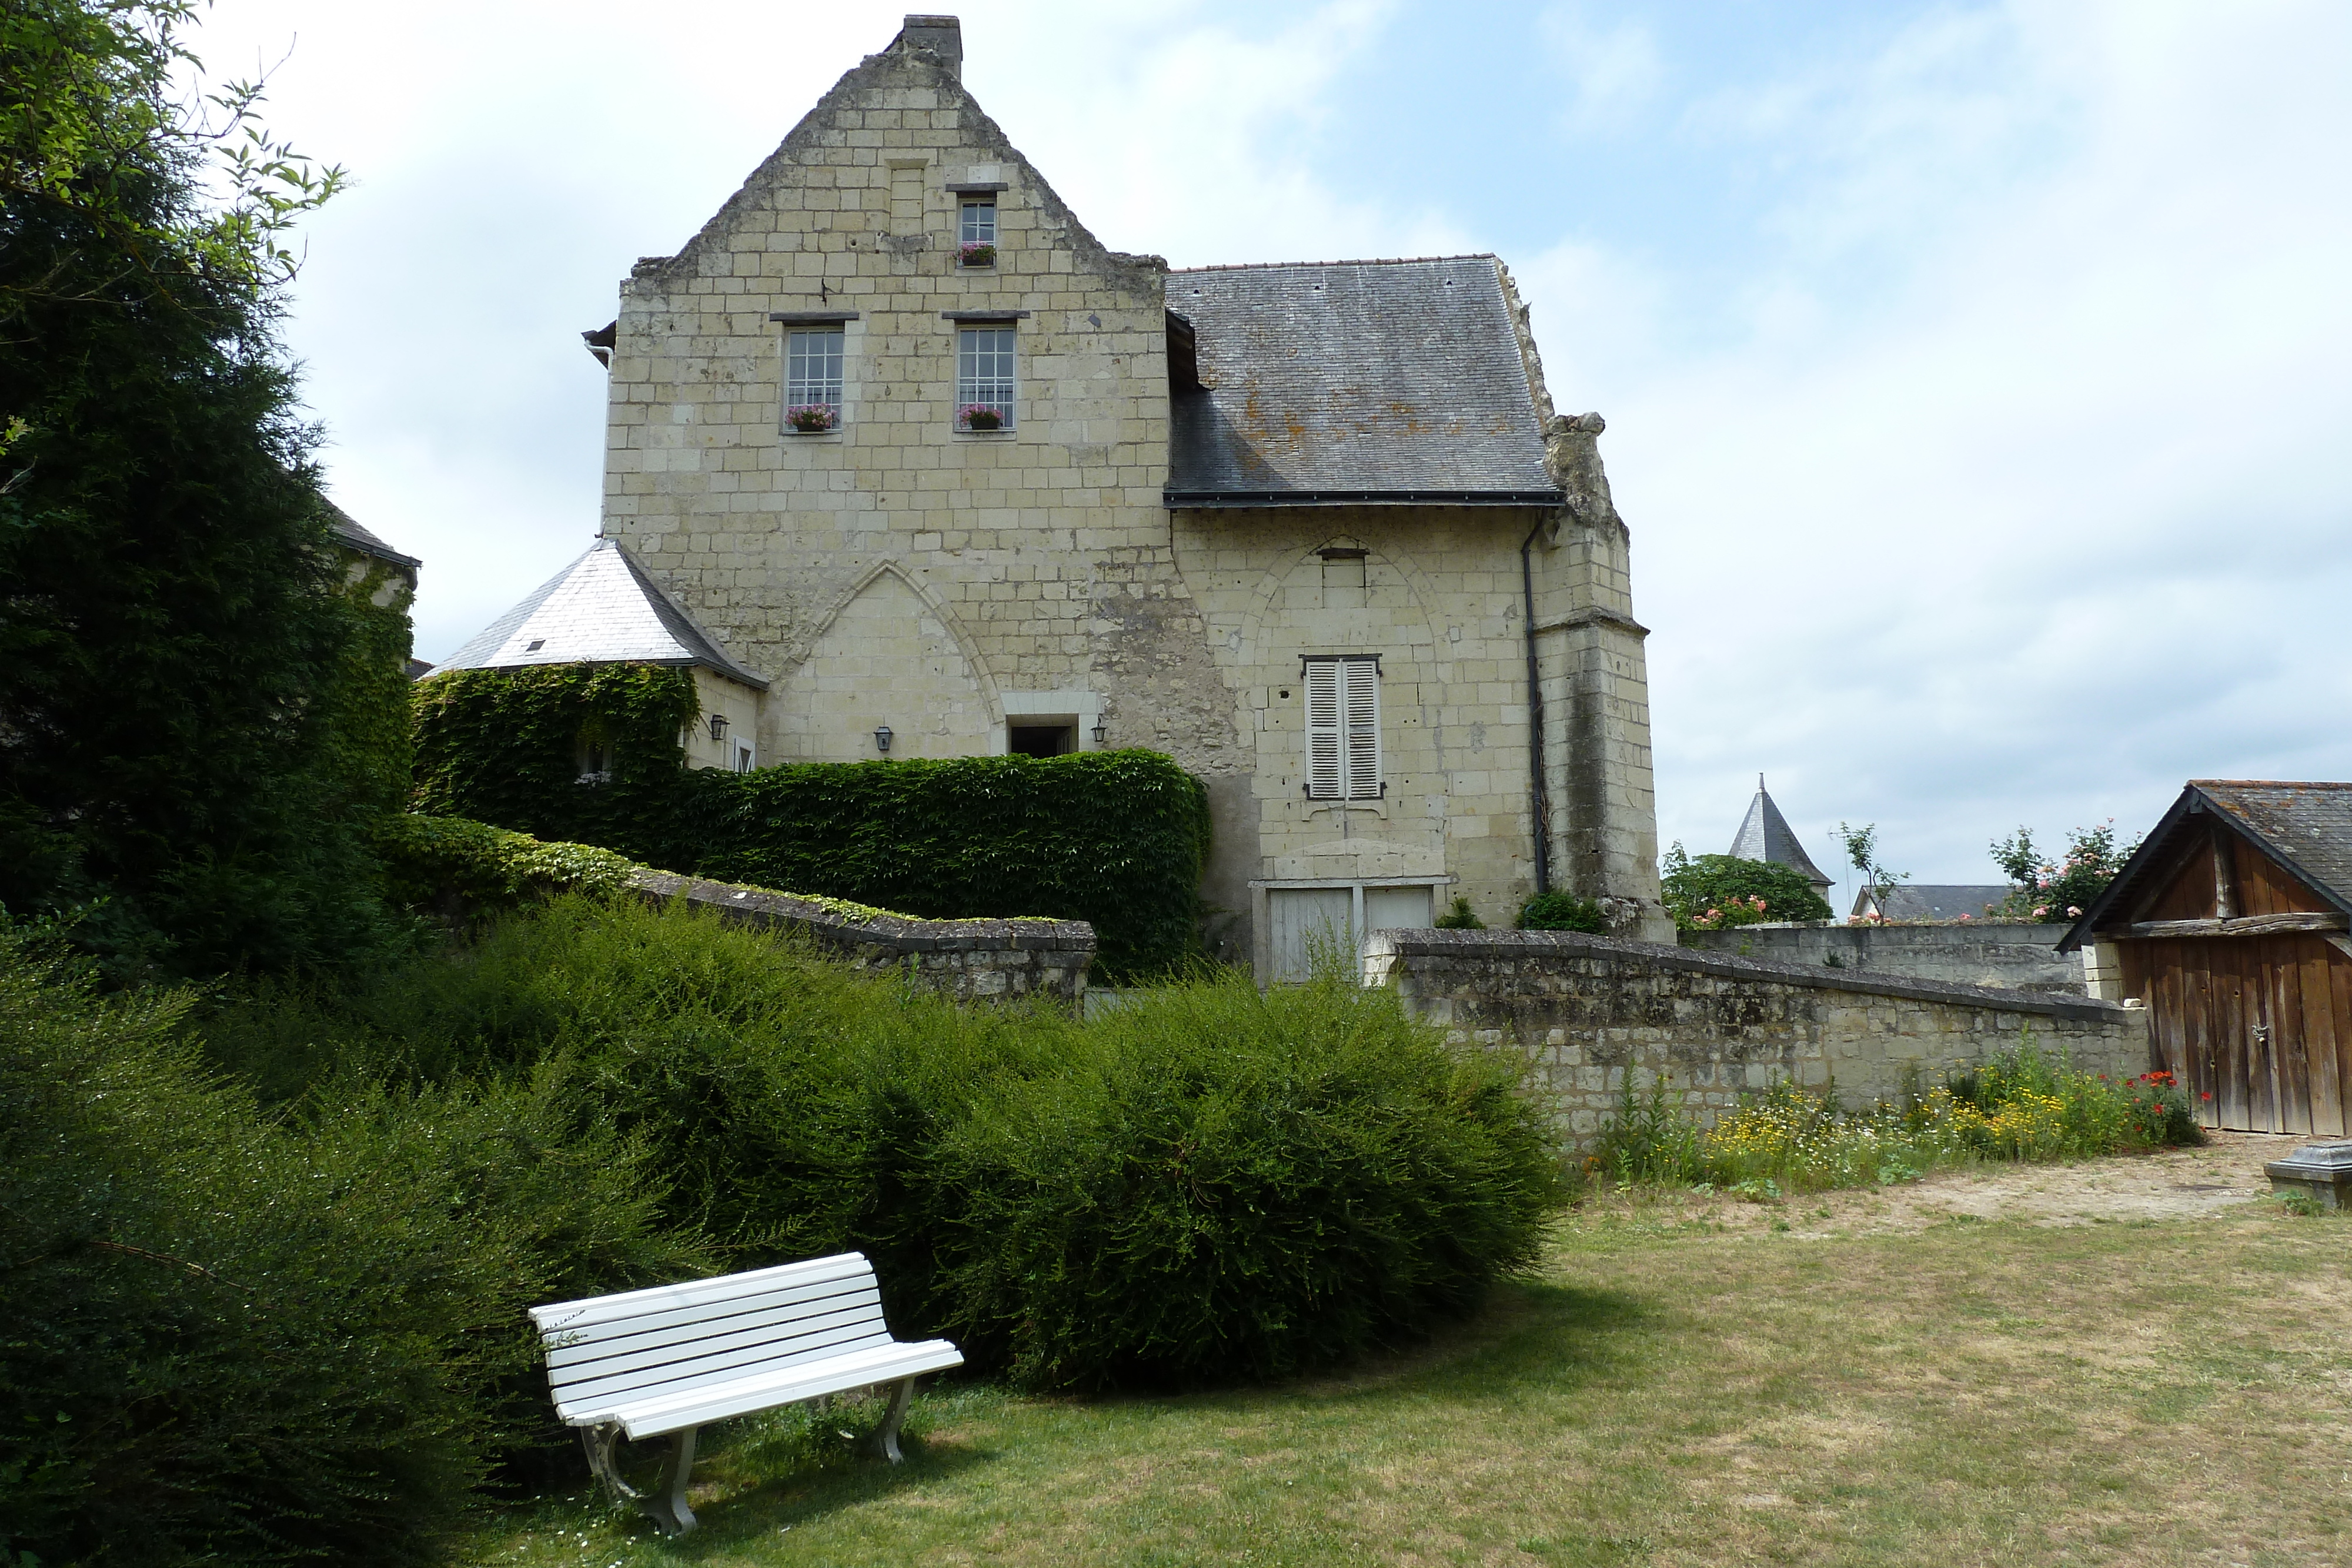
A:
(1591, 1009)
(970, 960)
(2014, 955)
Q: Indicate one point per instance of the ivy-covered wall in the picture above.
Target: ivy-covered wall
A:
(1116, 839)
(508, 746)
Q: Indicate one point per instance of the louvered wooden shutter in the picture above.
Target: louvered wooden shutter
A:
(1362, 683)
(1325, 779)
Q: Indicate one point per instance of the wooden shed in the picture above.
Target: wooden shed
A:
(2228, 924)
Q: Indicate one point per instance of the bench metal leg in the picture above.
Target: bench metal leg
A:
(667, 1505)
(598, 1441)
(886, 1439)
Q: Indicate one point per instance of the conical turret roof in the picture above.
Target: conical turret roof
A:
(602, 609)
(1765, 835)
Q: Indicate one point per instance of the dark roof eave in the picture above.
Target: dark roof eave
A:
(739, 676)
(2193, 801)
(1180, 500)
(380, 552)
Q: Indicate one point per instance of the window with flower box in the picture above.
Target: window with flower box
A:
(812, 361)
(984, 366)
(976, 231)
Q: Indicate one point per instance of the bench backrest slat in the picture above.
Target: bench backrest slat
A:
(676, 1338)
(778, 1343)
(592, 1310)
(679, 1377)
(679, 1324)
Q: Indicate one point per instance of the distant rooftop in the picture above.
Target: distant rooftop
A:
(1765, 835)
(602, 609)
(1352, 380)
(1928, 901)
(348, 530)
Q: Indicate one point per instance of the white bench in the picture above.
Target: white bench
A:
(673, 1358)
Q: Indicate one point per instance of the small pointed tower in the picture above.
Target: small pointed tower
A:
(1765, 835)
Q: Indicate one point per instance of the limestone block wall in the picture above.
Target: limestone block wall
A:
(2017, 955)
(970, 960)
(1593, 1009)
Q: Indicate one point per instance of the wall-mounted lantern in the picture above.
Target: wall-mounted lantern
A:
(718, 726)
(882, 738)
(1102, 729)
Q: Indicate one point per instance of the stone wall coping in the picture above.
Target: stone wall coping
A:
(1493, 945)
(895, 931)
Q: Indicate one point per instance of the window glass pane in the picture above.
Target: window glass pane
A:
(984, 374)
(979, 223)
(813, 371)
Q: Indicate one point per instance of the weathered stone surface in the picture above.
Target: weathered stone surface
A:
(2017, 955)
(967, 959)
(1592, 1010)
(898, 570)
(2322, 1171)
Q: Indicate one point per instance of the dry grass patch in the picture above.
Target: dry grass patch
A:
(1685, 1385)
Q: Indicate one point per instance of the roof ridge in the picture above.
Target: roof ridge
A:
(1353, 261)
(2275, 783)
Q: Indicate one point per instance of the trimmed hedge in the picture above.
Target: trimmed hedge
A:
(1116, 839)
(455, 867)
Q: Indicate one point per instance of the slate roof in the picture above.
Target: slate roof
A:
(1935, 901)
(601, 610)
(2305, 827)
(1765, 835)
(348, 530)
(1354, 380)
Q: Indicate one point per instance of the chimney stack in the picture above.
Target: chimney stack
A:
(942, 36)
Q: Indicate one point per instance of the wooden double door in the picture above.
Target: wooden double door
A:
(2257, 1028)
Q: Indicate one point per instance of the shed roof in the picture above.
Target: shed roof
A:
(1351, 382)
(2304, 827)
(602, 609)
(1765, 835)
(347, 529)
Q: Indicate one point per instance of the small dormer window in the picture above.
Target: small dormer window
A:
(976, 231)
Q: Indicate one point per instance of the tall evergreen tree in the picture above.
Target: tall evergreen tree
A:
(174, 640)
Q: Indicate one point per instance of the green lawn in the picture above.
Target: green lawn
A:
(1682, 1386)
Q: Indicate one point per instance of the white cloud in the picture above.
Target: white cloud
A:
(2053, 516)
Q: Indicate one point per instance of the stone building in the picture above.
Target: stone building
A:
(902, 436)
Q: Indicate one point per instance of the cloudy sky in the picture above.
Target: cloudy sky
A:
(1979, 376)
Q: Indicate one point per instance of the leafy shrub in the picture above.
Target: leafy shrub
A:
(454, 866)
(1715, 891)
(1238, 1187)
(1204, 1185)
(1563, 912)
(2039, 890)
(238, 1338)
(1461, 917)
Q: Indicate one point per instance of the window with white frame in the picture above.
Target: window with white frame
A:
(813, 380)
(1343, 727)
(984, 378)
(978, 222)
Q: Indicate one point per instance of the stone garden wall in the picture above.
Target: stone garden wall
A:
(2017, 955)
(970, 960)
(1589, 1008)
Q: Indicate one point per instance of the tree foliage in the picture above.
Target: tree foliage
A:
(2043, 890)
(1715, 891)
(184, 674)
